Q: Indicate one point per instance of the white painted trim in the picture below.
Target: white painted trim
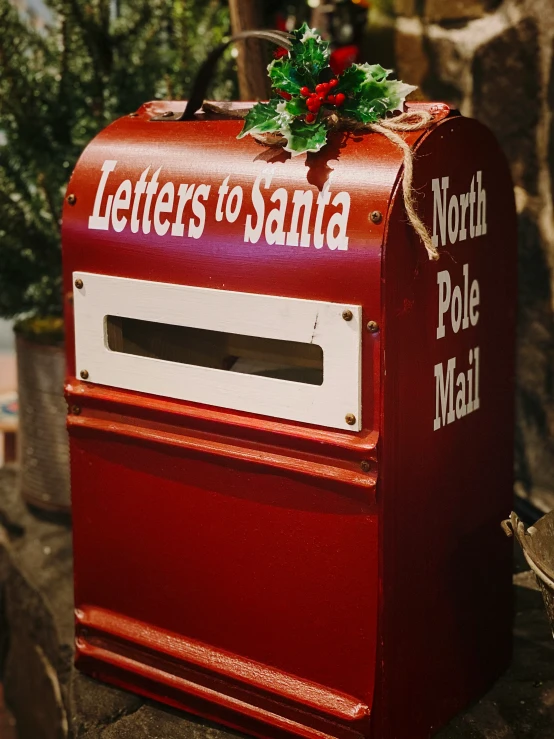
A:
(267, 316)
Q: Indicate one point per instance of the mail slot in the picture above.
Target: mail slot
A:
(291, 431)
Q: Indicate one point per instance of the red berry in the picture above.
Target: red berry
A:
(305, 91)
(334, 82)
(321, 98)
(310, 118)
(319, 88)
(331, 99)
(325, 87)
(284, 94)
(340, 98)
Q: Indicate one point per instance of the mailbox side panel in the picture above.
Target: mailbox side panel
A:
(446, 447)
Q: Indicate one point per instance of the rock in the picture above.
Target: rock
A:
(405, 7)
(157, 722)
(412, 65)
(36, 582)
(93, 705)
(534, 446)
(550, 101)
(446, 10)
(507, 96)
(31, 680)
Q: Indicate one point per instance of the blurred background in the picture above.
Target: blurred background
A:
(69, 67)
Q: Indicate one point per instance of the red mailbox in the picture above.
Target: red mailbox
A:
(291, 432)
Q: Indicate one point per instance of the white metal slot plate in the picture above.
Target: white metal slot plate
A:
(266, 316)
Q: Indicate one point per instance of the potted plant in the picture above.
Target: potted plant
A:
(63, 77)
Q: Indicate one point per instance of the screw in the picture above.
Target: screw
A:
(376, 216)
(79, 284)
(84, 374)
(167, 114)
(372, 327)
(347, 315)
(76, 410)
(350, 419)
(365, 466)
(72, 199)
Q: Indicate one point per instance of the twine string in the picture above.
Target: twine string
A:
(390, 127)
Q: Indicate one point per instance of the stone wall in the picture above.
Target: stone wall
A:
(494, 61)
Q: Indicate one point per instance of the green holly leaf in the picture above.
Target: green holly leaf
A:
(370, 94)
(303, 137)
(309, 52)
(285, 76)
(352, 79)
(296, 106)
(365, 110)
(398, 92)
(262, 118)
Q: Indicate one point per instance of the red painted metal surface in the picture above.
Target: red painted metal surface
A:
(251, 570)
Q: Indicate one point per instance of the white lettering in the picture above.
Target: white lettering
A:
(253, 233)
(234, 204)
(140, 189)
(439, 209)
(339, 221)
(453, 219)
(444, 394)
(221, 193)
(185, 194)
(481, 229)
(197, 229)
(301, 199)
(275, 224)
(121, 201)
(323, 200)
(151, 190)
(96, 221)
(445, 286)
(164, 204)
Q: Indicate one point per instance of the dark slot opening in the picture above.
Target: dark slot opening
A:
(253, 355)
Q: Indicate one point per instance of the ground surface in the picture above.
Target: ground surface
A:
(51, 701)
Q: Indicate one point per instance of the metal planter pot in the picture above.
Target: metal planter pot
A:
(537, 543)
(44, 451)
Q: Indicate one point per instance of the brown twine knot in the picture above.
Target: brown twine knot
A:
(412, 121)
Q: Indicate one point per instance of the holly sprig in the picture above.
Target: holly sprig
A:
(309, 100)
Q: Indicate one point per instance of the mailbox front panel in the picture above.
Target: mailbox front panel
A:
(233, 569)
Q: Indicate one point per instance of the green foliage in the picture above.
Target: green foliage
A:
(304, 137)
(59, 85)
(285, 76)
(309, 53)
(366, 95)
(262, 118)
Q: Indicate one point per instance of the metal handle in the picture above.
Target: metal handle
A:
(205, 73)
